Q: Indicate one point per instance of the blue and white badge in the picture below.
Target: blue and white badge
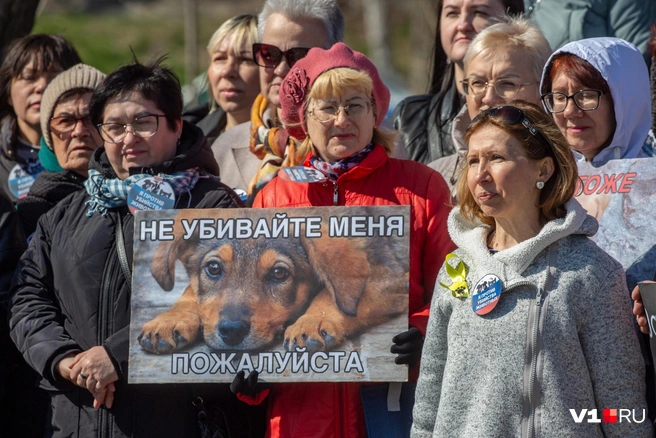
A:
(21, 179)
(241, 193)
(151, 193)
(486, 294)
(301, 174)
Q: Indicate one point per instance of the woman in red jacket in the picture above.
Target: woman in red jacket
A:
(333, 101)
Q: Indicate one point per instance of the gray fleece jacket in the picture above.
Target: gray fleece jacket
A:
(561, 337)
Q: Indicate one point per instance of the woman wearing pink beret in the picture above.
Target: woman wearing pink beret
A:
(333, 102)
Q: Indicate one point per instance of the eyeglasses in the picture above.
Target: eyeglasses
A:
(585, 100)
(270, 56)
(66, 124)
(143, 127)
(511, 115)
(507, 88)
(327, 112)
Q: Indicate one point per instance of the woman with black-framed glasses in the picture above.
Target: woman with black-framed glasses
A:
(597, 91)
(529, 319)
(70, 306)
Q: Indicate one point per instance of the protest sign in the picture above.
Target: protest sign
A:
(620, 195)
(306, 294)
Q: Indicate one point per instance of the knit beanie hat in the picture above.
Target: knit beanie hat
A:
(298, 82)
(78, 76)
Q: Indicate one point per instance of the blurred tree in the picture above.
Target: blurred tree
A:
(16, 19)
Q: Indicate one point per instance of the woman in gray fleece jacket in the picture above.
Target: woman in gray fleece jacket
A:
(530, 321)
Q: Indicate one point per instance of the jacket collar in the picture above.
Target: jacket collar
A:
(472, 239)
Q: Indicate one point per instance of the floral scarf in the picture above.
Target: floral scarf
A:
(338, 168)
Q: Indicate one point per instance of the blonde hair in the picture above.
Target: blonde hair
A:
(337, 82)
(513, 34)
(243, 29)
(557, 190)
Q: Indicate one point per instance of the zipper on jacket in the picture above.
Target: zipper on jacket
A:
(104, 325)
(106, 322)
(534, 363)
(536, 310)
(335, 193)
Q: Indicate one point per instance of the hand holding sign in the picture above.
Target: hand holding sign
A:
(639, 310)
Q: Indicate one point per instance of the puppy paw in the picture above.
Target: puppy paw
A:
(313, 334)
(169, 332)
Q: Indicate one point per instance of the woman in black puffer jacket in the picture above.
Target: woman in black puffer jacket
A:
(70, 298)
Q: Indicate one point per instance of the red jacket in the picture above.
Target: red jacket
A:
(334, 410)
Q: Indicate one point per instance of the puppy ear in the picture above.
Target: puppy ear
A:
(343, 268)
(163, 265)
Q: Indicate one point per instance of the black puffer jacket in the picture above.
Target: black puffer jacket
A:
(14, 383)
(48, 189)
(69, 295)
(415, 120)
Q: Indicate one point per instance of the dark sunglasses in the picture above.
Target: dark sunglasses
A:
(270, 56)
(511, 115)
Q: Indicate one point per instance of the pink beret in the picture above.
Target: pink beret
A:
(298, 82)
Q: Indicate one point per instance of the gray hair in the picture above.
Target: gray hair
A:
(326, 11)
(512, 34)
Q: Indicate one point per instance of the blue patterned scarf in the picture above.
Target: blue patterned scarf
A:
(109, 193)
(338, 168)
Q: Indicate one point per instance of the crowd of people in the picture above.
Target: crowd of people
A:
(486, 161)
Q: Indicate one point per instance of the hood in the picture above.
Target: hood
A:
(471, 238)
(621, 64)
(193, 151)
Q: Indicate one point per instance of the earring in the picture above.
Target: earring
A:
(539, 185)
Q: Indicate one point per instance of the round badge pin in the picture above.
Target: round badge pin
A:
(241, 193)
(486, 294)
(301, 174)
(20, 180)
(151, 193)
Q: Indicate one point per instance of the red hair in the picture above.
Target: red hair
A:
(578, 69)
(652, 42)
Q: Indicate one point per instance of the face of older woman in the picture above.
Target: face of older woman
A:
(587, 132)
(462, 20)
(508, 77)
(74, 138)
(286, 33)
(339, 137)
(501, 177)
(234, 79)
(133, 150)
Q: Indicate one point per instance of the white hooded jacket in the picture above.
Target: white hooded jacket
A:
(622, 66)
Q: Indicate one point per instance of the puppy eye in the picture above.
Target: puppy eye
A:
(279, 274)
(214, 270)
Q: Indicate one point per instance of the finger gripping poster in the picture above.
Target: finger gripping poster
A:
(305, 294)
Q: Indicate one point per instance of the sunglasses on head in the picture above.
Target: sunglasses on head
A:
(270, 56)
(511, 115)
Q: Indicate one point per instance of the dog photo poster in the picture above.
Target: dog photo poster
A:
(303, 294)
(620, 194)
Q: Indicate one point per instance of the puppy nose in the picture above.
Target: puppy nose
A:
(233, 331)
